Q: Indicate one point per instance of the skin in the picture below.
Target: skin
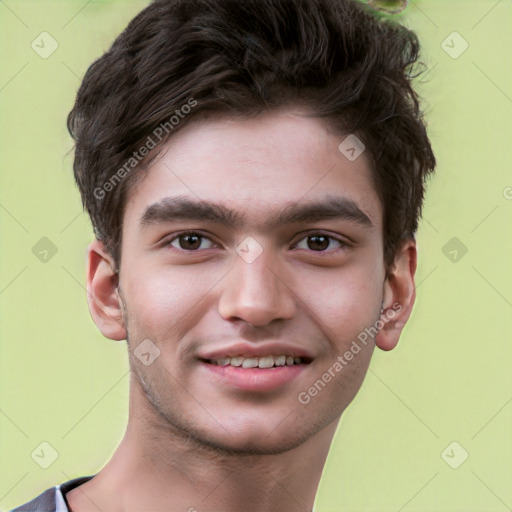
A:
(194, 442)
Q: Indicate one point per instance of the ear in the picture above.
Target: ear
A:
(399, 295)
(105, 303)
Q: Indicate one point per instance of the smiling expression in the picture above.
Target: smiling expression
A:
(250, 241)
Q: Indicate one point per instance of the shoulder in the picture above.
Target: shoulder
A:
(45, 502)
(52, 500)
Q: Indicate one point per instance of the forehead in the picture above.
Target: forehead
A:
(257, 167)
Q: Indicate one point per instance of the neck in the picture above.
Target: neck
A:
(164, 470)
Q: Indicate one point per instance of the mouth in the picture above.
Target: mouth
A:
(265, 362)
(257, 374)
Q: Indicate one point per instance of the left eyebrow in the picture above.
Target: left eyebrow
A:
(185, 208)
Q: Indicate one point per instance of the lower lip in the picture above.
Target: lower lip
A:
(255, 379)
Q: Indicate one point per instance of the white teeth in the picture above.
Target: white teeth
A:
(251, 362)
(280, 360)
(266, 362)
(257, 362)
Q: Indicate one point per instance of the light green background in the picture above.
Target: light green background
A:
(448, 380)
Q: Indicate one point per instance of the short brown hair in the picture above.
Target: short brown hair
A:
(242, 57)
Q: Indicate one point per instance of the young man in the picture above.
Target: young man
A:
(254, 172)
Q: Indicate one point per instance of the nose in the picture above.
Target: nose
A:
(256, 293)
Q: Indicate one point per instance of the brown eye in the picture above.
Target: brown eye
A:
(189, 241)
(319, 242)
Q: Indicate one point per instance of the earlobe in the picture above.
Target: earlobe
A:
(399, 295)
(103, 297)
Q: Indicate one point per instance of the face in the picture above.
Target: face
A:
(245, 240)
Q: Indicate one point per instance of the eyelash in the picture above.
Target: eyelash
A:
(168, 242)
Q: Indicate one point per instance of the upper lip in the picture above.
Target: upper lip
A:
(257, 350)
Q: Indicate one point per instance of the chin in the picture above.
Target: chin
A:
(250, 444)
(272, 434)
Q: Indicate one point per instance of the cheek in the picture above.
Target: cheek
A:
(345, 302)
(157, 301)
